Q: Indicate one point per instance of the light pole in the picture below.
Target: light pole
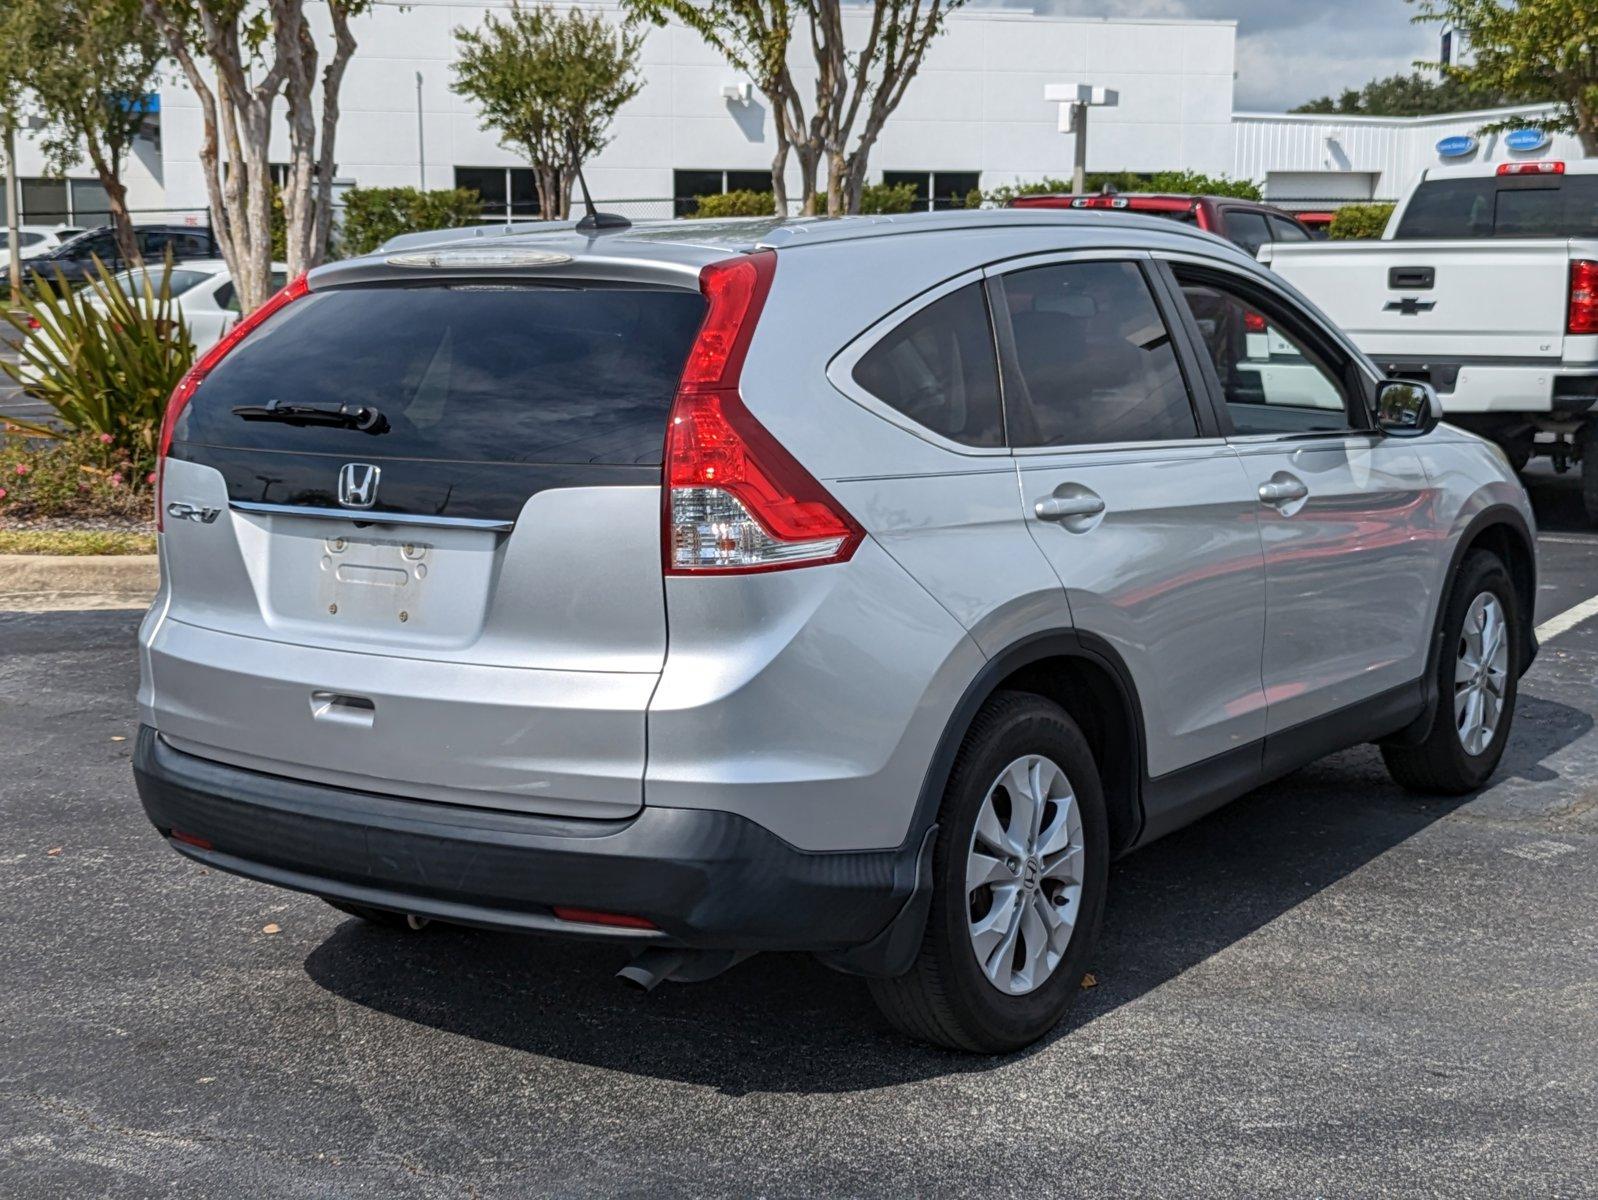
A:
(1074, 100)
(421, 135)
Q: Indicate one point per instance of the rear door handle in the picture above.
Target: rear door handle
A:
(1282, 488)
(1063, 508)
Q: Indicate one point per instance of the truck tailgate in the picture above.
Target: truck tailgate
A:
(1464, 299)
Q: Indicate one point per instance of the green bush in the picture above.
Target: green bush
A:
(80, 475)
(734, 204)
(877, 198)
(104, 361)
(1360, 221)
(1181, 183)
(373, 215)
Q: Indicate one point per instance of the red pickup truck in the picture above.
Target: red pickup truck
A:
(1246, 222)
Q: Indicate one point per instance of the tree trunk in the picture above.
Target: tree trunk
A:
(327, 163)
(779, 175)
(547, 180)
(109, 174)
(837, 186)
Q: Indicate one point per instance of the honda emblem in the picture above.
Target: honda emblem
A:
(357, 485)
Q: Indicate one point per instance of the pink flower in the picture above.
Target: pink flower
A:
(22, 468)
(83, 487)
(106, 439)
(116, 481)
(150, 478)
(2, 493)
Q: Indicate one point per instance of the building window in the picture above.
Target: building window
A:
(61, 202)
(688, 186)
(937, 189)
(505, 191)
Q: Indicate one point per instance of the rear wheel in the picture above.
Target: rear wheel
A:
(1019, 877)
(1478, 674)
(1589, 470)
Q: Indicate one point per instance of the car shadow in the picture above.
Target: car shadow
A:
(785, 1024)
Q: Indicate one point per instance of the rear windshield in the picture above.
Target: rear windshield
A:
(478, 373)
(1527, 206)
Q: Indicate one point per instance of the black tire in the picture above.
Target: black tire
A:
(945, 998)
(1440, 764)
(1589, 470)
(374, 916)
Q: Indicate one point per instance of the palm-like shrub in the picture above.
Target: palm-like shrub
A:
(106, 361)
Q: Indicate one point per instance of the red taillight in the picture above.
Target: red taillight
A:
(184, 392)
(1583, 297)
(190, 839)
(735, 500)
(590, 916)
(1253, 322)
(1532, 168)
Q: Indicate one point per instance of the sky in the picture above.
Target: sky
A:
(1290, 51)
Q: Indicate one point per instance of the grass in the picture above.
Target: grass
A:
(74, 542)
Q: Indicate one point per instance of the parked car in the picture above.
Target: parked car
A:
(74, 259)
(202, 291)
(1485, 285)
(663, 589)
(1249, 224)
(35, 240)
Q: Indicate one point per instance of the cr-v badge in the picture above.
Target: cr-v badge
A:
(187, 512)
(357, 485)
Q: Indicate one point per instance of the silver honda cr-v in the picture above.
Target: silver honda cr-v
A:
(860, 587)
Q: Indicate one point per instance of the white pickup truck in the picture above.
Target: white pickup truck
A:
(1485, 285)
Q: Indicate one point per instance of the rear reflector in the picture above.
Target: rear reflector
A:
(736, 501)
(589, 916)
(190, 839)
(1532, 168)
(1583, 297)
(207, 363)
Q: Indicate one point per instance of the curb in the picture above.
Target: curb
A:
(55, 582)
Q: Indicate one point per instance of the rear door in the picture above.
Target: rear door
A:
(1344, 513)
(1141, 508)
(457, 596)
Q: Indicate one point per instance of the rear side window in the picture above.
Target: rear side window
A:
(939, 369)
(1093, 357)
(1284, 230)
(474, 373)
(1247, 229)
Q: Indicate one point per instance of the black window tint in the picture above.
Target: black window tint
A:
(1284, 230)
(939, 369)
(1271, 380)
(1094, 359)
(493, 373)
(1523, 206)
(1246, 228)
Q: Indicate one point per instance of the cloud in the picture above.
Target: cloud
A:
(1289, 51)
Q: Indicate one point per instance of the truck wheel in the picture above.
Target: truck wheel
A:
(1020, 868)
(1589, 470)
(1478, 673)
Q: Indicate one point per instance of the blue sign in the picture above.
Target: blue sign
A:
(1527, 140)
(1457, 146)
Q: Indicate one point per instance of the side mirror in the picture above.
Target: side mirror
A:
(1405, 408)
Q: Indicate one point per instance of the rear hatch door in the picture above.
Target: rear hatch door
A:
(456, 594)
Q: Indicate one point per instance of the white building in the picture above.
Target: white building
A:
(974, 116)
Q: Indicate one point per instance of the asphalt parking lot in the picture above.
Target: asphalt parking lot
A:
(1328, 989)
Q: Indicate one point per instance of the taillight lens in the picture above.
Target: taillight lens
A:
(1583, 297)
(1254, 322)
(735, 500)
(184, 392)
(1532, 168)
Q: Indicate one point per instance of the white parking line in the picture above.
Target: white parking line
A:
(1568, 619)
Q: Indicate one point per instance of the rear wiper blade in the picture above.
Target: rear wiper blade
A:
(360, 417)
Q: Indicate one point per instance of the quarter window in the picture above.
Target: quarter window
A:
(939, 369)
(1247, 229)
(1272, 380)
(1093, 359)
(1284, 230)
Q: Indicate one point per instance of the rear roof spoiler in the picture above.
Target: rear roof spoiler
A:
(437, 237)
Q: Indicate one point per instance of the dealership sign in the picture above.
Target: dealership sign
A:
(1527, 140)
(1457, 146)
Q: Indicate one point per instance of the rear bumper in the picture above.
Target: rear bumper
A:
(706, 879)
(1486, 385)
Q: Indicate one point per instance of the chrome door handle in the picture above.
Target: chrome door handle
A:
(1063, 508)
(1283, 488)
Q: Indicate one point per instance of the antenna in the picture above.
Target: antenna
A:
(594, 220)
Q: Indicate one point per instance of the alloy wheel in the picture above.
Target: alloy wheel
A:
(1481, 673)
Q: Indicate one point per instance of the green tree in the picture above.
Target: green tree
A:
(1354, 221)
(86, 66)
(1417, 94)
(1542, 48)
(373, 215)
(550, 85)
(241, 57)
